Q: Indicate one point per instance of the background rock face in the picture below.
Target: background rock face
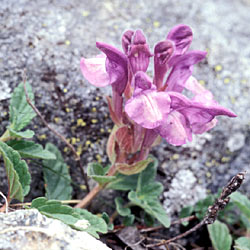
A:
(48, 38)
(29, 230)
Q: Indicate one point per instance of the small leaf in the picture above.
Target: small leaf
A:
(17, 172)
(123, 211)
(128, 220)
(135, 168)
(30, 149)
(97, 172)
(111, 145)
(245, 221)
(153, 207)
(96, 224)
(202, 205)
(25, 134)
(219, 235)
(242, 202)
(242, 243)
(20, 111)
(185, 212)
(79, 219)
(106, 219)
(56, 176)
(125, 139)
(124, 182)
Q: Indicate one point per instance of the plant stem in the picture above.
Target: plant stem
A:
(6, 136)
(95, 191)
(77, 157)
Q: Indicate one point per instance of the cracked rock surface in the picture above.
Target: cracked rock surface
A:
(29, 230)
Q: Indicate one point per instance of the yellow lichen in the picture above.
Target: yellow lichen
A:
(156, 24)
(94, 121)
(85, 13)
(67, 42)
(218, 68)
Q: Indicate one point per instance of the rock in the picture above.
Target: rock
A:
(29, 230)
(184, 191)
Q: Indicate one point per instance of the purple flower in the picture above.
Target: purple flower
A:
(172, 115)
(109, 68)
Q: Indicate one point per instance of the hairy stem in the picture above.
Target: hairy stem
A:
(95, 191)
(62, 138)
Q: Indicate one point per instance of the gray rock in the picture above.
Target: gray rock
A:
(184, 190)
(30, 230)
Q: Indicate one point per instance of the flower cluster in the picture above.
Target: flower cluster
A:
(145, 108)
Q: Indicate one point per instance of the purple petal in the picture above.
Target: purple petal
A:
(182, 70)
(182, 36)
(141, 82)
(175, 129)
(116, 66)
(201, 94)
(197, 114)
(162, 52)
(148, 109)
(93, 69)
(127, 41)
(139, 53)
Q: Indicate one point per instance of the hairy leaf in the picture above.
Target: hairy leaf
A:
(242, 243)
(17, 172)
(96, 224)
(123, 211)
(152, 207)
(24, 134)
(56, 176)
(79, 219)
(128, 220)
(242, 202)
(131, 169)
(147, 192)
(20, 111)
(220, 236)
(124, 182)
(30, 149)
(97, 172)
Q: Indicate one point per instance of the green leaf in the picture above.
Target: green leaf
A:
(245, 221)
(219, 235)
(123, 211)
(96, 224)
(30, 149)
(202, 206)
(128, 220)
(242, 202)
(106, 219)
(132, 169)
(56, 176)
(152, 206)
(242, 243)
(17, 172)
(149, 220)
(97, 172)
(25, 134)
(124, 182)
(20, 111)
(79, 219)
(185, 212)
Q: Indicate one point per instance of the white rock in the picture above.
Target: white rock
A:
(32, 230)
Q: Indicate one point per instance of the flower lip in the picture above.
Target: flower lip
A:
(127, 40)
(182, 37)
